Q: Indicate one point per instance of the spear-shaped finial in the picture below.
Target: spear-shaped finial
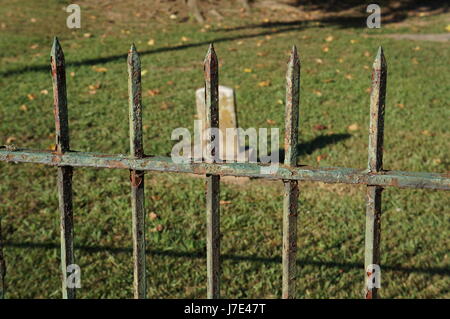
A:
(211, 75)
(292, 108)
(57, 53)
(380, 60)
(377, 106)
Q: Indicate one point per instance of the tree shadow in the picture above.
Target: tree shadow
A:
(443, 271)
(392, 11)
(398, 14)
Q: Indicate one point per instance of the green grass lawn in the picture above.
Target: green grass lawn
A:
(335, 76)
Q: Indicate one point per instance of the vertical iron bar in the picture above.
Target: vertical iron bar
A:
(291, 191)
(211, 73)
(375, 164)
(137, 177)
(64, 172)
(2, 265)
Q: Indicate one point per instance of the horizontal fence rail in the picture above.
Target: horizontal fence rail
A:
(342, 175)
(374, 177)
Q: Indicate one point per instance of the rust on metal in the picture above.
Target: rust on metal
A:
(211, 75)
(64, 159)
(136, 176)
(2, 265)
(291, 188)
(64, 172)
(375, 164)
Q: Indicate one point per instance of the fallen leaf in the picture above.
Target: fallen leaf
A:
(144, 72)
(264, 83)
(319, 61)
(72, 74)
(159, 228)
(153, 92)
(94, 86)
(329, 38)
(151, 42)
(349, 76)
(34, 46)
(173, 16)
(270, 122)
(247, 70)
(328, 80)
(268, 37)
(10, 139)
(45, 92)
(366, 53)
(353, 41)
(225, 202)
(321, 157)
(427, 133)
(325, 49)
(170, 82)
(164, 106)
(155, 197)
(317, 92)
(341, 60)
(366, 67)
(23, 107)
(400, 105)
(369, 90)
(437, 161)
(320, 127)
(184, 39)
(51, 147)
(353, 127)
(87, 35)
(99, 69)
(33, 20)
(31, 96)
(279, 101)
(152, 216)
(416, 48)
(261, 53)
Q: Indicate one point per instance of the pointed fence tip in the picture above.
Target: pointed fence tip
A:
(211, 50)
(56, 46)
(133, 48)
(380, 60)
(210, 54)
(294, 54)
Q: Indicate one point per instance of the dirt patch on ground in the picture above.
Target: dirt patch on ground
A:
(443, 37)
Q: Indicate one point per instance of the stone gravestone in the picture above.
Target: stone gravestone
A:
(229, 148)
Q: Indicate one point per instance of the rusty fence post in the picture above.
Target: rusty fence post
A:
(2, 265)
(137, 177)
(211, 73)
(290, 202)
(375, 164)
(64, 172)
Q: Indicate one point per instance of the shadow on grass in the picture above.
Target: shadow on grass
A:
(238, 258)
(345, 21)
(315, 144)
(102, 60)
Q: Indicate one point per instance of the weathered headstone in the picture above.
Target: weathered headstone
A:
(230, 147)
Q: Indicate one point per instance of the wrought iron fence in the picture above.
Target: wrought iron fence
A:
(375, 177)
